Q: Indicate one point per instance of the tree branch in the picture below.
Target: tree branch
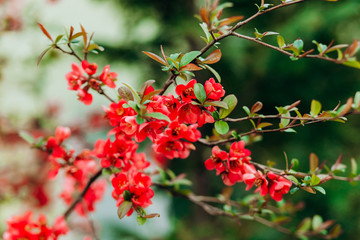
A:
(82, 194)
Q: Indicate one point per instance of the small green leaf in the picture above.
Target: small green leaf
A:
(315, 108)
(199, 92)
(352, 63)
(27, 137)
(295, 164)
(140, 220)
(299, 44)
(316, 222)
(231, 101)
(188, 57)
(294, 190)
(215, 115)
(280, 41)
(353, 167)
(125, 93)
(43, 54)
(263, 125)
(221, 127)
(320, 189)
(58, 38)
(217, 104)
(314, 162)
(356, 100)
(304, 226)
(216, 74)
(315, 180)
(292, 178)
(124, 209)
(247, 110)
(136, 96)
(158, 115)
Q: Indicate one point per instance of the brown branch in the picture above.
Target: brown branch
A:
(168, 83)
(281, 50)
(214, 211)
(72, 52)
(82, 194)
(242, 23)
(101, 91)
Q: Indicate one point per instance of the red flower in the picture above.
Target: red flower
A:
(84, 96)
(75, 78)
(278, 186)
(238, 150)
(189, 113)
(90, 69)
(62, 133)
(23, 227)
(186, 92)
(214, 91)
(258, 179)
(108, 77)
(217, 157)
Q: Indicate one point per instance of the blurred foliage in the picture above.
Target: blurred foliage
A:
(254, 73)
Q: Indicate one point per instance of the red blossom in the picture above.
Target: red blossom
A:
(23, 227)
(84, 96)
(90, 69)
(108, 77)
(75, 78)
(278, 186)
(186, 92)
(214, 91)
(258, 179)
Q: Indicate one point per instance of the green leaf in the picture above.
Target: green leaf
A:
(221, 127)
(292, 178)
(206, 31)
(315, 180)
(320, 189)
(247, 110)
(43, 54)
(316, 222)
(263, 125)
(352, 63)
(315, 108)
(27, 137)
(304, 226)
(125, 93)
(124, 209)
(299, 44)
(199, 92)
(133, 92)
(335, 231)
(188, 57)
(357, 100)
(294, 190)
(280, 41)
(314, 162)
(295, 164)
(158, 115)
(155, 57)
(231, 101)
(215, 115)
(217, 76)
(58, 38)
(353, 167)
(140, 220)
(217, 104)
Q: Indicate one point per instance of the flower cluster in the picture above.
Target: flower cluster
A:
(79, 169)
(235, 166)
(133, 187)
(170, 123)
(23, 227)
(77, 81)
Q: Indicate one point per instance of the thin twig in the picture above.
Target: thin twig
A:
(81, 196)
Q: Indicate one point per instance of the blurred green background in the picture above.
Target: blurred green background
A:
(251, 72)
